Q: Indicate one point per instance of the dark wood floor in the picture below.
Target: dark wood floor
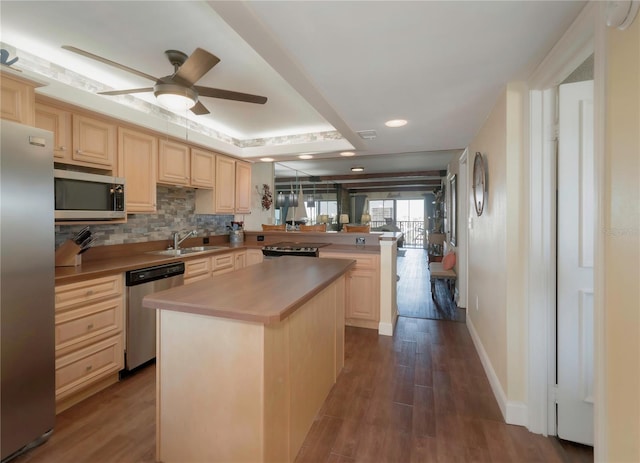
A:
(420, 396)
(414, 290)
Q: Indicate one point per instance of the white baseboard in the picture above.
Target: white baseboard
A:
(513, 412)
(385, 329)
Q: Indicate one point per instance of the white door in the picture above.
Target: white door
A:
(575, 263)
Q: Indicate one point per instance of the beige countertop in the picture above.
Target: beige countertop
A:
(277, 288)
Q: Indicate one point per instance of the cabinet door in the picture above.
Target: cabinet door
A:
(94, 142)
(362, 295)
(173, 163)
(240, 260)
(225, 185)
(57, 121)
(243, 188)
(196, 270)
(203, 168)
(254, 256)
(137, 161)
(17, 100)
(362, 288)
(224, 263)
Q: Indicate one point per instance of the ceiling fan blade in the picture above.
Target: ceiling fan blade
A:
(126, 92)
(199, 109)
(197, 65)
(229, 95)
(108, 61)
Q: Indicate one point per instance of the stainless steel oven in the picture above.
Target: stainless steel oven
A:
(272, 251)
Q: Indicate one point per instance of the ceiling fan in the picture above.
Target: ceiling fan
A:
(178, 90)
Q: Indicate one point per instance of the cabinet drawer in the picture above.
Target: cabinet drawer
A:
(87, 291)
(223, 262)
(82, 367)
(77, 327)
(195, 267)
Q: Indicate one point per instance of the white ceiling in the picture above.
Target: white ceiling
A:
(325, 66)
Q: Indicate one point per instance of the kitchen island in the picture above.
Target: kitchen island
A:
(246, 359)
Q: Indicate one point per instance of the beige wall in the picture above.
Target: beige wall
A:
(487, 250)
(516, 220)
(261, 172)
(496, 251)
(622, 245)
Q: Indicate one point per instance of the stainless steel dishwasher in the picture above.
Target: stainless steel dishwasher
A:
(141, 322)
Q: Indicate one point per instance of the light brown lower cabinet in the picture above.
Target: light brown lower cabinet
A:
(89, 320)
(254, 256)
(218, 264)
(363, 289)
(197, 269)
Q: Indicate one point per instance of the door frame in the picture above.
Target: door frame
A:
(585, 36)
(463, 228)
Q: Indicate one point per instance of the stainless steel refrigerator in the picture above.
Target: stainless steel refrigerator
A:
(27, 339)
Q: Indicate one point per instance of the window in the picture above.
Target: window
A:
(381, 210)
(326, 207)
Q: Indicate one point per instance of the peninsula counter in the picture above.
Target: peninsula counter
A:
(246, 359)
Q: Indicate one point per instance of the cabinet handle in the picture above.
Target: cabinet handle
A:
(78, 151)
(90, 326)
(88, 367)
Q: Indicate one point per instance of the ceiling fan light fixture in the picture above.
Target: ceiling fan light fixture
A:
(175, 97)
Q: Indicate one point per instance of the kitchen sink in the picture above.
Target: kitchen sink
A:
(185, 251)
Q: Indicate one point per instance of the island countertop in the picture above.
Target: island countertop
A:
(264, 293)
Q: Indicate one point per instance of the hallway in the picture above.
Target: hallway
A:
(421, 396)
(414, 290)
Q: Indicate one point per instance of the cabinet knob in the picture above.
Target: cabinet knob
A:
(88, 367)
(90, 326)
(78, 151)
(89, 292)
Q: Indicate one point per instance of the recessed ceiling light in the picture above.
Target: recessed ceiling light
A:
(396, 123)
(347, 153)
(357, 169)
(267, 159)
(305, 156)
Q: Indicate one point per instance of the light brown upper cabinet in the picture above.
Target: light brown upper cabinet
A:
(58, 121)
(243, 188)
(203, 167)
(225, 185)
(94, 142)
(137, 163)
(17, 99)
(174, 164)
(232, 192)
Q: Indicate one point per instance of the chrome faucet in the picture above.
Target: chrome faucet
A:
(177, 241)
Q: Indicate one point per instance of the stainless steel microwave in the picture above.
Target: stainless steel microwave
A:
(84, 196)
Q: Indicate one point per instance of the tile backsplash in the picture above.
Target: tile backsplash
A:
(175, 213)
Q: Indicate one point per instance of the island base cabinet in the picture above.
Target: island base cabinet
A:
(251, 391)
